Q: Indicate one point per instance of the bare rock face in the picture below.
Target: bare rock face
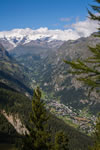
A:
(6, 44)
(16, 122)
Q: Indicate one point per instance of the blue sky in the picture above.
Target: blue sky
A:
(54, 14)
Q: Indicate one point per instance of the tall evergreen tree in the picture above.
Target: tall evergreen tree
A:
(61, 141)
(38, 137)
(90, 67)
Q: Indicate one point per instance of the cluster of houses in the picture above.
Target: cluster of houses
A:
(85, 124)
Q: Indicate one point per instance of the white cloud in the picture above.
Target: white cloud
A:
(85, 28)
(73, 32)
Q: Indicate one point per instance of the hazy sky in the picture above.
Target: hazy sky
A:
(53, 14)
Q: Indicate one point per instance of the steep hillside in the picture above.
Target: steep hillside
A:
(54, 76)
(8, 133)
(15, 104)
(12, 73)
(48, 70)
(51, 74)
(3, 53)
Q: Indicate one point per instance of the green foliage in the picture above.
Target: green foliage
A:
(16, 103)
(12, 74)
(88, 70)
(77, 140)
(61, 141)
(6, 127)
(96, 9)
(7, 132)
(38, 137)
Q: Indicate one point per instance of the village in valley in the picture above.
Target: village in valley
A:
(84, 122)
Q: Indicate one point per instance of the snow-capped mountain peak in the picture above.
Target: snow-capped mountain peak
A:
(77, 30)
(15, 36)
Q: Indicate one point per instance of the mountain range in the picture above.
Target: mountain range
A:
(25, 64)
(48, 69)
(9, 73)
(11, 39)
(15, 103)
(15, 37)
(40, 62)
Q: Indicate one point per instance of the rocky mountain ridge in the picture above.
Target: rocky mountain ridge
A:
(9, 73)
(51, 73)
(48, 70)
(13, 38)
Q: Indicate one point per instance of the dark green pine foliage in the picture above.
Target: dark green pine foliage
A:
(88, 70)
(38, 137)
(61, 141)
(96, 9)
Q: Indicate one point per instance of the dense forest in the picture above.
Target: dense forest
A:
(16, 103)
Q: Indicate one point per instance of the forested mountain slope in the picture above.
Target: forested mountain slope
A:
(12, 73)
(20, 72)
(17, 105)
(51, 73)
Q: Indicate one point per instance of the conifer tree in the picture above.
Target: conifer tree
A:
(61, 141)
(38, 137)
(90, 67)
